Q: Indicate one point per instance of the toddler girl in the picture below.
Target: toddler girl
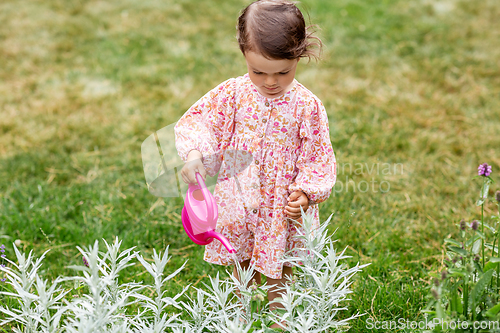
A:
(270, 117)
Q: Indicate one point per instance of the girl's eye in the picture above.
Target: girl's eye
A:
(284, 73)
(258, 73)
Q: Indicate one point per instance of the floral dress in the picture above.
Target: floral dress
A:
(264, 149)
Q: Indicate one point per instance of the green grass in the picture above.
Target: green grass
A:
(83, 83)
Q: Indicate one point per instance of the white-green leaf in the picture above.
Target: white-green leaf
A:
(491, 265)
(439, 310)
(458, 250)
(476, 247)
(493, 311)
(488, 246)
(477, 235)
(452, 241)
(457, 271)
(481, 285)
(488, 226)
(484, 190)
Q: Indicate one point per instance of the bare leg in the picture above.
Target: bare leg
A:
(255, 276)
(273, 292)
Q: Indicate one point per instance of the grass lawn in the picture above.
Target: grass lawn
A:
(411, 88)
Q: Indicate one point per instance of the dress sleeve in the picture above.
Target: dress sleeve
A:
(208, 126)
(316, 162)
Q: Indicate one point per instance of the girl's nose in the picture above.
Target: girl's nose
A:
(271, 81)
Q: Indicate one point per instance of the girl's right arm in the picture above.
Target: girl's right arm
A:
(193, 165)
(206, 128)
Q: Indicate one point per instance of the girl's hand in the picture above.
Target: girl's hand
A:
(295, 200)
(193, 165)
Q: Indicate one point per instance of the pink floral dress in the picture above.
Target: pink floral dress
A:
(287, 146)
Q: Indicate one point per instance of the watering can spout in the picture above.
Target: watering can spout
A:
(223, 240)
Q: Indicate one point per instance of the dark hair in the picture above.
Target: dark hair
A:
(277, 30)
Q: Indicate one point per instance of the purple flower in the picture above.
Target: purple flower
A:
(474, 225)
(484, 170)
(85, 262)
(444, 274)
(2, 265)
(2, 256)
(2, 246)
(3, 280)
(462, 224)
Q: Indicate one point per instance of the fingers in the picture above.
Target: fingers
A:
(203, 173)
(192, 176)
(294, 212)
(296, 200)
(186, 178)
(294, 195)
(298, 203)
(190, 169)
(293, 216)
(297, 196)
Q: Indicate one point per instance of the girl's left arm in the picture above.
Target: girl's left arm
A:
(316, 163)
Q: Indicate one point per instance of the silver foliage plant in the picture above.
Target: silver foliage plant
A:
(320, 288)
(311, 299)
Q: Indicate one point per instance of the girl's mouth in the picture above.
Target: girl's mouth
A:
(271, 89)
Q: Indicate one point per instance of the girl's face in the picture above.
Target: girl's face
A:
(271, 77)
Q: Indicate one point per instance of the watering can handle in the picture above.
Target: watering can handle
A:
(208, 197)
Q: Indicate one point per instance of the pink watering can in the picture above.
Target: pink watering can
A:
(199, 215)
